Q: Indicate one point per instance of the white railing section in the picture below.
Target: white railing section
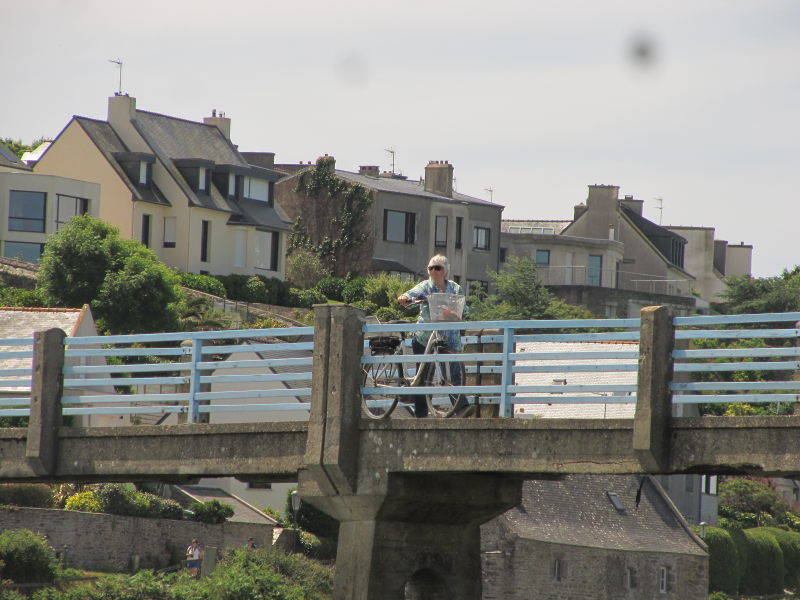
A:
(558, 363)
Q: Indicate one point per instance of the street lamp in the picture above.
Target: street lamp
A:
(295, 499)
(703, 529)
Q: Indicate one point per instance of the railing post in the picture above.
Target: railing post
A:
(194, 380)
(653, 398)
(47, 387)
(506, 407)
(480, 377)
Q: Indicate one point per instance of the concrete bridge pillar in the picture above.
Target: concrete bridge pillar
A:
(402, 535)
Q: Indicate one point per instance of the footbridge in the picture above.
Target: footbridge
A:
(410, 493)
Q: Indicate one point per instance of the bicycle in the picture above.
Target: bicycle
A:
(388, 374)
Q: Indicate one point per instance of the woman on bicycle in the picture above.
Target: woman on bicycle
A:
(437, 283)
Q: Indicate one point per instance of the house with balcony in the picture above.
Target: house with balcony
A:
(179, 187)
(411, 220)
(33, 206)
(613, 261)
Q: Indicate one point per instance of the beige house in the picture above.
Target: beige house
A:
(180, 187)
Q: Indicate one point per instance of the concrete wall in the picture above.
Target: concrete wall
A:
(108, 542)
(52, 186)
(613, 303)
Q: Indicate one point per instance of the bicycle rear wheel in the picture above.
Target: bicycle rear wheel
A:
(443, 404)
(380, 405)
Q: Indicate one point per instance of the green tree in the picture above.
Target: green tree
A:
(745, 500)
(19, 147)
(129, 289)
(745, 294)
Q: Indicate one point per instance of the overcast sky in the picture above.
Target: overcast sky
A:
(696, 103)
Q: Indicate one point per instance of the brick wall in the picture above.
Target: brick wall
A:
(108, 542)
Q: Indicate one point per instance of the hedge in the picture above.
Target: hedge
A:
(203, 283)
(789, 541)
(763, 572)
(34, 495)
(723, 561)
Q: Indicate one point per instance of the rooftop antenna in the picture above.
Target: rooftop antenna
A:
(491, 193)
(118, 62)
(391, 151)
(660, 209)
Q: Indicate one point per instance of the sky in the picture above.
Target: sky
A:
(691, 106)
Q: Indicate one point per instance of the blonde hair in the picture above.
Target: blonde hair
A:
(440, 260)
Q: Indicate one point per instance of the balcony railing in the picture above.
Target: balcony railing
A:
(611, 278)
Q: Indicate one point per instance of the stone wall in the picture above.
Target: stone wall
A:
(109, 542)
(18, 273)
(524, 569)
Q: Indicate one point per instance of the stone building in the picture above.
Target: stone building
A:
(588, 538)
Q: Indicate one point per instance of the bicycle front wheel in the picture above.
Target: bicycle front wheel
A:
(443, 404)
(378, 405)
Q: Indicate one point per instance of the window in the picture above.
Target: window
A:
(202, 179)
(257, 189)
(26, 211)
(631, 579)
(142, 173)
(231, 185)
(68, 207)
(457, 279)
(558, 570)
(170, 226)
(476, 286)
(239, 248)
(440, 240)
(709, 484)
(205, 241)
(615, 501)
(543, 257)
(662, 579)
(595, 274)
(259, 485)
(480, 238)
(399, 226)
(266, 250)
(23, 250)
(503, 254)
(459, 224)
(146, 219)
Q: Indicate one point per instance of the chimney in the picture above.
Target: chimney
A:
(327, 162)
(260, 159)
(121, 109)
(602, 198)
(369, 170)
(578, 211)
(439, 178)
(222, 122)
(633, 204)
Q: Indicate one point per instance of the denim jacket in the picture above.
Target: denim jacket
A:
(420, 291)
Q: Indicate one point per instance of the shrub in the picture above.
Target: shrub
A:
(305, 298)
(353, 290)
(212, 512)
(277, 291)
(27, 557)
(332, 287)
(256, 290)
(87, 501)
(723, 561)
(384, 289)
(719, 596)
(763, 572)
(385, 314)
(370, 307)
(789, 541)
(203, 283)
(235, 285)
(36, 495)
(304, 268)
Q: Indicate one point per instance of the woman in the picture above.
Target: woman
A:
(437, 283)
(193, 556)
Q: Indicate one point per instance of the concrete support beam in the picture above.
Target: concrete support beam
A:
(332, 451)
(47, 386)
(653, 397)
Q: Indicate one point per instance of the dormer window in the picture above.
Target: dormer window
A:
(231, 185)
(202, 174)
(142, 173)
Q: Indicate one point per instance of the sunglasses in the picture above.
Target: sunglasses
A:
(434, 268)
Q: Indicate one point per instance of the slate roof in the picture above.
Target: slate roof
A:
(574, 410)
(21, 323)
(9, 160)
(576, 510)
(409, 187)
(108, 142)
(659, 236)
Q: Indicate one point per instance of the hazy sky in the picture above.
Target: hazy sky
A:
(693, 102)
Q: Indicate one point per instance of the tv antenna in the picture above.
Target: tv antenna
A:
(660, 209)
(391, 151)
(118, 62)
(491, 193)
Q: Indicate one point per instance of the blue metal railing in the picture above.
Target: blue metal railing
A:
(544, 363)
